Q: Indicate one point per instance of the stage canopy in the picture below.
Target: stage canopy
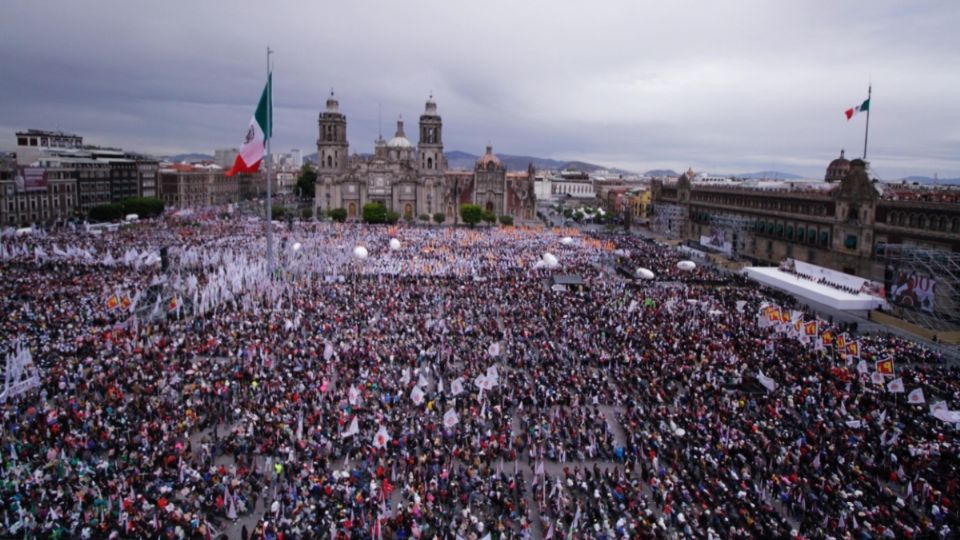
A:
(813, 291)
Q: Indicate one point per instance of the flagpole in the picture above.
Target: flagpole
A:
(270, 167)
(866, 132)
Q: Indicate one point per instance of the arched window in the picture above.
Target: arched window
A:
(429, 162)
(329, 161)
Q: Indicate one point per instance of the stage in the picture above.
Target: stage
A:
(807, 289)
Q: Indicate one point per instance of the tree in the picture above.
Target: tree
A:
(278, 213)
(145, 207)
(424, 217)
(306, 181)
(506, 220)
(391, 217)
(471, 214)
(107, 212)
(439, 217)
(489, 217)
(374, 212)
(338, 214)
(306, 213)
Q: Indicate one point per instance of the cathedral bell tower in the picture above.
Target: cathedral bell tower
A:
(332, 148)
(431, 141)
(431, 163)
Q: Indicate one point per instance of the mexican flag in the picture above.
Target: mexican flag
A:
(261, 128)
(865, 106)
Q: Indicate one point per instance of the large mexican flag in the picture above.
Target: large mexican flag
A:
(261, 128)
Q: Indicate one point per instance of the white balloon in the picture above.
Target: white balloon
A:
(686, 265)
(297, 246)
(360, 252)
(550, 260)
(645, 273)
(394, 244)
(566, 240)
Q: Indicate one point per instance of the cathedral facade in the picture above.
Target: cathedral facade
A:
(412, 180)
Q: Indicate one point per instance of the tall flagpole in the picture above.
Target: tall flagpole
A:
(866, 132)
(270, 167)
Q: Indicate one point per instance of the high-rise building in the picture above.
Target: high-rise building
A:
(297, 156)
(225, 157)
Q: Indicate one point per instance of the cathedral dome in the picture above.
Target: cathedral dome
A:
(837, 169)
(489, 158)
(399, 140)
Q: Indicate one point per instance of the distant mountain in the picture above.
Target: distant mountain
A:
(457, 159)
(189, 158)
(769, 175)
(661, 172)
(926, 180)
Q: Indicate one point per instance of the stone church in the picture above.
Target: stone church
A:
(412, 180)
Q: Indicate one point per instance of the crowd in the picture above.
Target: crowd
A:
(443, 390)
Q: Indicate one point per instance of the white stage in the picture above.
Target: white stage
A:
(804, 288)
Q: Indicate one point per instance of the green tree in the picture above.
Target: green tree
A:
(489, 217)
(374, 212)
(471, 214)
(107, 212)
(144, 207)
(391, 217)
(278, 213)
(424, 217)
(306, 213)
(338, 214)
(439, 217)
(306, 181)
(506, 220)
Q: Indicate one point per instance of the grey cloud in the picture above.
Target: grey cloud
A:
(724, 86)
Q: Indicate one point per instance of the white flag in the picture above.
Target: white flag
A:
(493, 376)
(405, 377)
(766, 382)
(877, 378)
(381, 438)
(862, 367)
(938, 406)
(915, 397)
(456, 387)
(327, 351)
(352, 430)
(494, 349)
(353, 395)
(896, 386)
(450, 419)
(854, 424)
(416, 395)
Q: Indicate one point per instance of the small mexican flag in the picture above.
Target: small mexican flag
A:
(865, 106)
(261, 128)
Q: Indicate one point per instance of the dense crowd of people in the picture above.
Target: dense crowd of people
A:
(442, 388)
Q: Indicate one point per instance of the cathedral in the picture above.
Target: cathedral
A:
(412, 180)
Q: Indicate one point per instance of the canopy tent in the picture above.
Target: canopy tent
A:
(811, 290)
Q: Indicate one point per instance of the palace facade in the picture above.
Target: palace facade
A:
(848, 222)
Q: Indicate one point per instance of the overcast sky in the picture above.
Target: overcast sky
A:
(726, 87)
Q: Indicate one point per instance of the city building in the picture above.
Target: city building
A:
(225, 157)
(183, 185)
(33, 143)
(847, 222)
(32, 195)
(412, 180)
(296, 157)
